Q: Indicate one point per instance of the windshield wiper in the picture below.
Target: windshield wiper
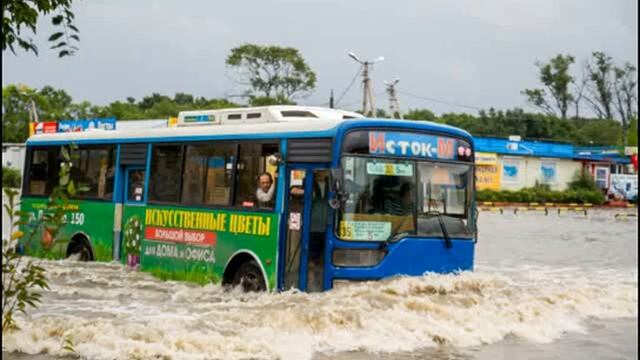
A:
(445, 233)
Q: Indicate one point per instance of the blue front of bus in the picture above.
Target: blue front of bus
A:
(403, 203)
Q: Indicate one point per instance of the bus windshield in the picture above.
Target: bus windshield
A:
(388, 198)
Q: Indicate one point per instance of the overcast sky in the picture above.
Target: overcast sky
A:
(478, 53)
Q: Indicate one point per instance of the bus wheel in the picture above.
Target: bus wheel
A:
(80, 246)
(249, 276)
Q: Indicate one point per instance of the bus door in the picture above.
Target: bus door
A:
(306, 221)
(133, 196)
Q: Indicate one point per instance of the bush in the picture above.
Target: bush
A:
(542, 194)
(11, 178)
(582, 180)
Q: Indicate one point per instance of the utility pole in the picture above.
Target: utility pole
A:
(394, 105)
(368, 102)
(33, 112)
(331, 100)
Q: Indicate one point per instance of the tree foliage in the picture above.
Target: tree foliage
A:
(420, 114)
(50, 104)
(499, 123)
(21, 15)
(612, 90)
(275, 72)
(56, 104)
(266, 101)
(625, 95)
(556, 98)
(632, 136)
(600, 84)
(11, 178)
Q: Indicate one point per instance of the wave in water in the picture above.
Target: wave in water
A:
(110, 312)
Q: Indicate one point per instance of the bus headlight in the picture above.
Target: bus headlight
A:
(357, 257)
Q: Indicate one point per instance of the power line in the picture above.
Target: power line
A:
(438, 100)
(353, 102)
(348, 86)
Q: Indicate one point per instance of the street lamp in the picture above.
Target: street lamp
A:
(367, 96)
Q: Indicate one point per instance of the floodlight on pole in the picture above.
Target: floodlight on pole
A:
(355, 57)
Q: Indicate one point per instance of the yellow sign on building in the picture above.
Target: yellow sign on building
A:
(487, 171)
(483, 158)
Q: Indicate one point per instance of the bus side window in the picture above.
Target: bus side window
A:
(252, 161)
(206, 179)
(42, 171)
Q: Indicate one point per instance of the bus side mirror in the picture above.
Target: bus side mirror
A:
(336, 186)
(335, 180)
(476, 214)
(274, 159)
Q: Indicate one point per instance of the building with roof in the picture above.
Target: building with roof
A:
(13, 155)
(514, 163)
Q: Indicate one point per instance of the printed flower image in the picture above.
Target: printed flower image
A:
(47, 238)
(133, 240)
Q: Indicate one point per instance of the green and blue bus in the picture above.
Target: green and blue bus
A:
(354, 198)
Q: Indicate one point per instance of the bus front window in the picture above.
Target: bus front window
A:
(389, 198)
(381, 199)
(444, 192)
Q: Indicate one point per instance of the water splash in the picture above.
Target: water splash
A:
(111, 312)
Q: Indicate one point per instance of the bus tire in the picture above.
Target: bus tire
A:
(249, 276)
(80, 245)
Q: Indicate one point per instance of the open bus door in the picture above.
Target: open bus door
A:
(305, 213)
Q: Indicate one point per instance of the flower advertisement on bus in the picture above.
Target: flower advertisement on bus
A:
(196, 244)
(80, 216)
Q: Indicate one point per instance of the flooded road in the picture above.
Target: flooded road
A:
(545, 287)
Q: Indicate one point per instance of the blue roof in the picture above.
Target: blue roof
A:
(612, 154)
(524, 148)
(550, 149)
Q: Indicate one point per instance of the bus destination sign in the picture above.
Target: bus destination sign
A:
(417, 145)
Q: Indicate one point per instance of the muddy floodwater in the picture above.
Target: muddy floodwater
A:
(545, 287)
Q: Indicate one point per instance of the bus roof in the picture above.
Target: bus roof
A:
(287, 127)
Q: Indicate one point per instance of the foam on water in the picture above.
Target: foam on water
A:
(111, 312)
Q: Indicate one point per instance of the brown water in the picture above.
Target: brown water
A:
(545, 287)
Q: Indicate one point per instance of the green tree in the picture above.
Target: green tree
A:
(599, 132)
(420, 114)
(50, 104)
(600, 85)
(272, 71)
(55, 103)
(632, 136)
(125, 111)
(625, 95)
(149, 101)
(556, 78)
(21, 15)
(266, 101)
(382, 113)
(11, 178)
(16, 107)
(182, 98)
